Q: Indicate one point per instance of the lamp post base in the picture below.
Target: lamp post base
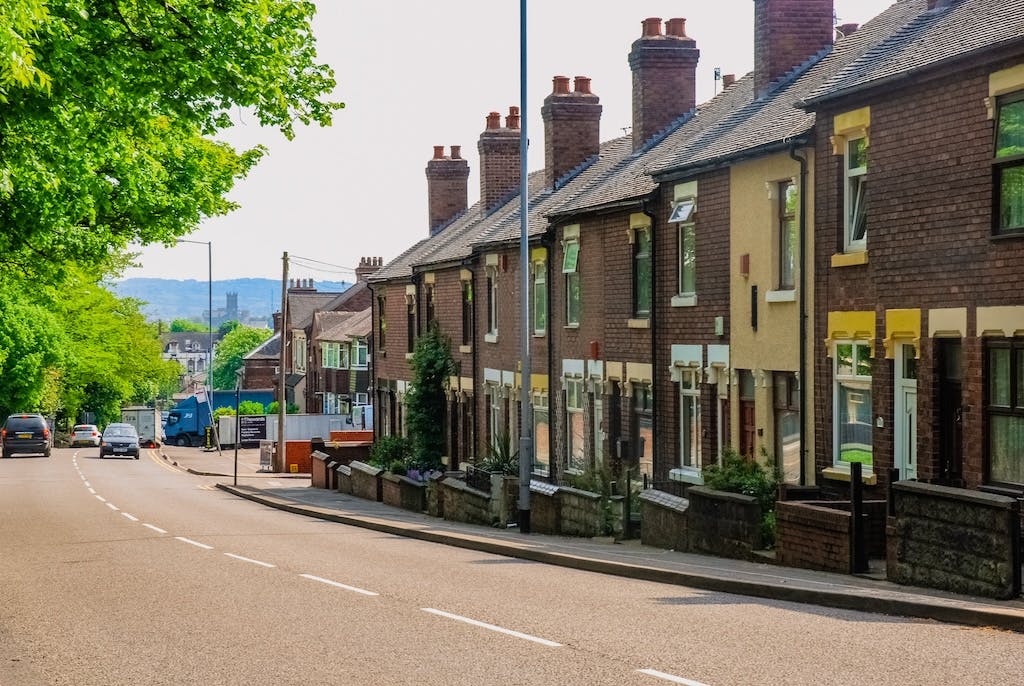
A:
(524, 521)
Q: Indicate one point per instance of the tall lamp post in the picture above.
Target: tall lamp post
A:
(209, 295)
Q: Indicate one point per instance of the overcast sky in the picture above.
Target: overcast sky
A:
(414, 75)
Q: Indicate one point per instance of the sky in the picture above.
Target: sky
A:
(414, 75)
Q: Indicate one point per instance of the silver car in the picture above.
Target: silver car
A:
(85, 434)
(120, 439)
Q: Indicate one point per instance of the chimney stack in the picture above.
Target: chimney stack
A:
(844, 30)
(728, 80)
(572, 127)
(786, 34)
(367, 266)
(664, 70)
(499, 159)
(447, 187)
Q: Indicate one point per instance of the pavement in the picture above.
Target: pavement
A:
(630, 559)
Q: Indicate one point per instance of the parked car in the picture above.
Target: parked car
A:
(85, 434)
(26, 434)
(119, 439)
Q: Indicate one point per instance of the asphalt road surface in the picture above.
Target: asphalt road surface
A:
(120, 571)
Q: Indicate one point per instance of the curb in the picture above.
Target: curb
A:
(919, 609)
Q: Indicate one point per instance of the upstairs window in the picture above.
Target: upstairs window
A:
(540, 298)
(467, 312)
(683, 213)
(410, 322)
(492, 302)
(360, 350)
(429, 297)
(570, 268)
(642, 274)
(855, 172)
(1009, 164)
(382, 323)
(330, 355)
(299, 352)
(787, 247)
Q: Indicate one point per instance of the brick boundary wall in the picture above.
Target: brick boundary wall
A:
(816, 534)
(465, 504)
(664, 520)
(723, 524)
(365, 481)
(343, 479)
(955, 540)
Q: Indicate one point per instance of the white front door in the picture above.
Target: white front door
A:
(905, 458)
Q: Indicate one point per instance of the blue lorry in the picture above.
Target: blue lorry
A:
(187, 421)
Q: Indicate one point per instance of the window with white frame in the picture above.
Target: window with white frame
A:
(492, 301)
(570, 269)
(362, 398)
(852, 404)
(575, 443)
(787, 243)
(496, 430)
(382, 323)
(467, 312)
(540, 297)
(686, 262)
(541, 440)
(410, 322)
(299, 352)
(642, 273)
(689, 419)
(1004, 411)
(330, 355)
(1009, 163)
(787, 425)
(360, 353)
(855, 176)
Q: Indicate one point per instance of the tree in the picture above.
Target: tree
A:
(109, 109)
(228, 327)
(183, 325)
(432, 365)
(232, 348)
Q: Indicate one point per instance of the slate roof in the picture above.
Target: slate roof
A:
(929, 39)
(301, 307)
(269, 350)
(345, 328)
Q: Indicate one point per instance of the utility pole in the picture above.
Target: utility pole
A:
(282, 393)
(526, 448)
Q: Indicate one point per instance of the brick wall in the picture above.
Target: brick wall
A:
(724, 524)
(816, 535)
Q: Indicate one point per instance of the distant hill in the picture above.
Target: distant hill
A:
(168, 299)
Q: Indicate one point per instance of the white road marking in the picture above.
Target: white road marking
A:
(88, 485)
(492, 627)
(101, 499)
(670, 677)
(248, 559)
(154, 528)
(112, 506)
(337, 585)
(195, 543)
(134, 519)
(92, 490)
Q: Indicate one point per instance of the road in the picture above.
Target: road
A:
(133, 572)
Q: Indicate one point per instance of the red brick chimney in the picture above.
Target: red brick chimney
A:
(499, 159)
(447, 186)
(664, 70)
(786, 34)
(572, 127)
(367, 266)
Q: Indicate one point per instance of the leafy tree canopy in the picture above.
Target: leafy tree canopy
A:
(228, 326)
(183, 325)
(229, 353)
(109, 109)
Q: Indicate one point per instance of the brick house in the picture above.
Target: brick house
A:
(917, 272)
(338, 374)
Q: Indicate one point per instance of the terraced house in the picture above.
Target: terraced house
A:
(704, 282)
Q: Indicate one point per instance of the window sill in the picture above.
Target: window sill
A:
(571, 327)
(490, 338)
(465, 348)
(780, 296)
(638, 323)
(688, 475)
(850, 259)
(540, 334)
(408, 356)
(684, 300)
(837, 473)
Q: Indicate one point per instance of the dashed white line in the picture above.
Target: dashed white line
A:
(92, 490)
(125, 514)
(249, 559)
(337, 585)
(101, 499)
(154, 528)
(87, 484)
(492, 627)
(670, 677)
(112, 506)
(195, 543)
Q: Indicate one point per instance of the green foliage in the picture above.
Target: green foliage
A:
(500, 456)
(737, 474)
(186, 325)
(110, 110)
(432, 365)
(250, 407)
(392, 454)
(223, 412)
(274, 407)
(229, 353)
(603, 480)
(228, 327)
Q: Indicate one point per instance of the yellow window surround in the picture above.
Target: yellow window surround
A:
(848, 126)
(638, 221)
(901, 325)
(850, 259)
(1003, 82)
(850, 326)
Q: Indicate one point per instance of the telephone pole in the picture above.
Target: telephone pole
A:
(282, 391)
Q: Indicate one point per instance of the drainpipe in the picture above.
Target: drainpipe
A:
(802, 298)
(645, 208)
(374, 343)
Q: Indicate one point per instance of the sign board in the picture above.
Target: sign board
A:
(266, 456)
(251, 430)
